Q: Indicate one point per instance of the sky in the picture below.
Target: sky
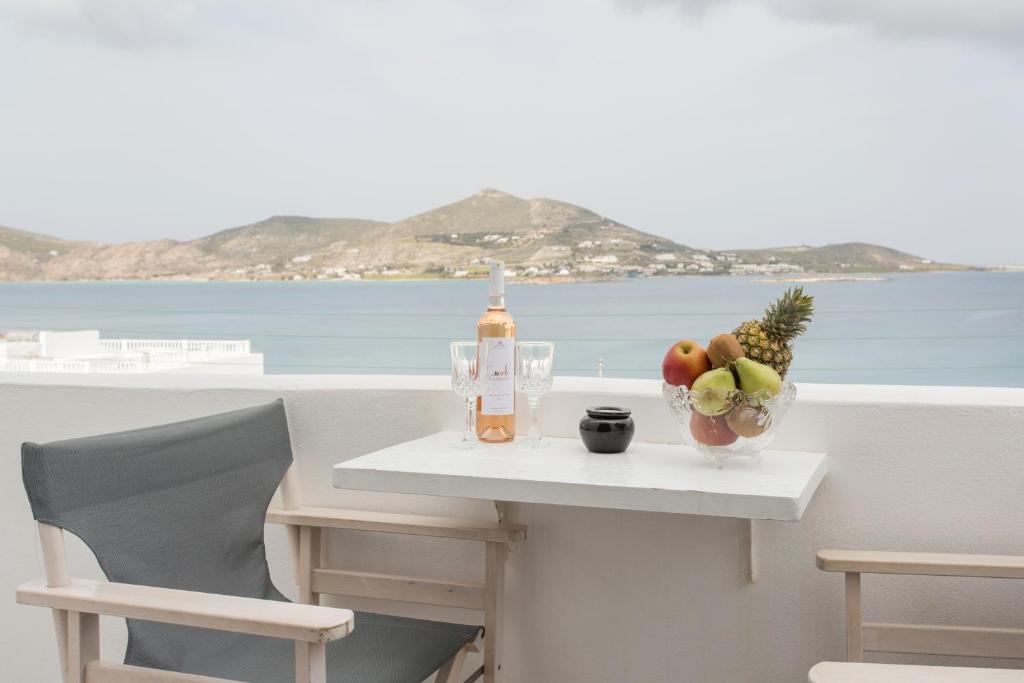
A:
(717, 123)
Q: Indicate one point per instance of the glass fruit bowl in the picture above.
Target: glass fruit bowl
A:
(745, 425)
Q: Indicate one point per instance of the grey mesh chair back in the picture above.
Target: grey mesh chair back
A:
(174, 506)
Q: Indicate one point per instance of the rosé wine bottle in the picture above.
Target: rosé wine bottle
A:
(496, 407)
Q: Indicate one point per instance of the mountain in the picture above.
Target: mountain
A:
(30, 242)
(494, 224)
(268, 240)
(542, 239)
(23, 253)
(836, 258)
(235, 252)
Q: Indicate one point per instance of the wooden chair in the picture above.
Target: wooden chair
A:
(306, 526)
(965, 641)
(178, 506)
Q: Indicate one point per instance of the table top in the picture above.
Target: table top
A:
(648, 477)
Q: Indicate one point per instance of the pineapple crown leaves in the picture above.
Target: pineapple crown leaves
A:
(788, 316)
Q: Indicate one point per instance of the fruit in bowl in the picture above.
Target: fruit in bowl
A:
(746, 426)
(730, 400)
(769, 340)
(757, 378)
(724, 350)
(711, 431)
(712, 392)
(748, 421)
(684, 363)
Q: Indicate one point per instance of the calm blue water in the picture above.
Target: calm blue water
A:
(942, 328)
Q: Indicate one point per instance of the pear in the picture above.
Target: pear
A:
(711, 392)
(757, 377)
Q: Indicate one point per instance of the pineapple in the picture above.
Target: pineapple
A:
(768, 340)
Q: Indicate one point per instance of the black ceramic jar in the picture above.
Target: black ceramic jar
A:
(607, 429)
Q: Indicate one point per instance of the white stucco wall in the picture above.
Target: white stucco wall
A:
(600, 596)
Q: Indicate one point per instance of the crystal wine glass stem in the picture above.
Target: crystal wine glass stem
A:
(534, 435)
(469, 436)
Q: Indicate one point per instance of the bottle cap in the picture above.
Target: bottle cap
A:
(497, 278)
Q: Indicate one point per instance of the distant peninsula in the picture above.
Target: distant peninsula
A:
(540, 240)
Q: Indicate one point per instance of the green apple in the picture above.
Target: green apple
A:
(756, 377)
(710, 392)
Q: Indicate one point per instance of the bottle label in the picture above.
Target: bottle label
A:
(499, 397)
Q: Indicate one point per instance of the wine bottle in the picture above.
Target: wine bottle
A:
(496, 407)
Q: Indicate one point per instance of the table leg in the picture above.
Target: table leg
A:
(501, 508)
(494, 613)
(750, 548)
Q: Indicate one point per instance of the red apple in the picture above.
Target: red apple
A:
(711, 431)
(685, 362)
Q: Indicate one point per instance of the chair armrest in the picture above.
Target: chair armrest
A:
(922, 564)
(416, 525)
(309, 623)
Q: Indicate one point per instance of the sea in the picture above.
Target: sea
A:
(909, 328)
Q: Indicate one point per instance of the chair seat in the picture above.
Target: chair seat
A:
(381, 649)
(856, 672)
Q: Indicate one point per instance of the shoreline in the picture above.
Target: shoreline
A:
(782, 278)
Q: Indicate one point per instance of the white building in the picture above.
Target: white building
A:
(82, 351)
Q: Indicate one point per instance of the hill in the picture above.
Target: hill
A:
(284, 236)
(836, 258)
(544, 234)
(31, 243)
(23, 254)
(240, 252)
(543, 239)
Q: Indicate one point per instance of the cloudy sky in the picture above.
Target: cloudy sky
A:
(719, 123)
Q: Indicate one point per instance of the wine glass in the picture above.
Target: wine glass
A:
(534, 361)
(468, 358)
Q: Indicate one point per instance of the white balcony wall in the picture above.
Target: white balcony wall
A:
(600, 596)
(69, 344)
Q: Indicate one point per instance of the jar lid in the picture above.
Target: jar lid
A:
(608, 412)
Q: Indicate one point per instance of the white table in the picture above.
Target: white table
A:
(648, 477)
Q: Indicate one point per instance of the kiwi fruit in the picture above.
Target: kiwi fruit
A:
(723, 350)
(744, 421)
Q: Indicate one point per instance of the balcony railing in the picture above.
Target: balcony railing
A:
(95, 365)
(128, 356)
(205, 348)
